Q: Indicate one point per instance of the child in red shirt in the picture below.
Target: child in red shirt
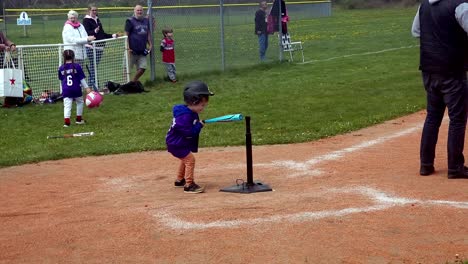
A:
(168, 54)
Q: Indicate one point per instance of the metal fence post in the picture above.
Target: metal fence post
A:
(280, 31)
(152, 56)
(4, 19)
(221, 18)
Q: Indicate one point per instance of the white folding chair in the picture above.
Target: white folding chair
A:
(291, 46)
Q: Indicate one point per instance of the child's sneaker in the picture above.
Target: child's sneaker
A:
(193, 188)
(179, 184)
(81, 122)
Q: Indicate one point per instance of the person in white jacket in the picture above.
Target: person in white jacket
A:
(74, 33)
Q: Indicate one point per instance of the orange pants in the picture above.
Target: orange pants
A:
(186, 169)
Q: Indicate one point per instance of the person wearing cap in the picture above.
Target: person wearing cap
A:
(74, 34)
(182, 137)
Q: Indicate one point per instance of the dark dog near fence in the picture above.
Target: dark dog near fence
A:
(127, 88)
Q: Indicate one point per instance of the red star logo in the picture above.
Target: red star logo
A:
(12, 81)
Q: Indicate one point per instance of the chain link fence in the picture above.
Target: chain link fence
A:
(39, 64)
(210, 35)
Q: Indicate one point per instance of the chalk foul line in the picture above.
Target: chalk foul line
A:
(381, 199)
(297, 168)
(359, 54)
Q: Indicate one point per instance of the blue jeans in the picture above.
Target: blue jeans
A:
(449, 92)
(171, 71)
(262, 45)
(92, 68)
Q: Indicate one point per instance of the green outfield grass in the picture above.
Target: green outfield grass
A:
(287, 102)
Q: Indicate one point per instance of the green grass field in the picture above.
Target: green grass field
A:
(288, 103)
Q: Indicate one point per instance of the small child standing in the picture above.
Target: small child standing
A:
(73, 79)
(168, 54)
(182, 137)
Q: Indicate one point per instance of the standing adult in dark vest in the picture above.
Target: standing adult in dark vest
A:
(139, 40)
(442, 27)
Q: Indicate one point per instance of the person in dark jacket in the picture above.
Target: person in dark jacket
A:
(275, 17)
(93, 27)
(261, 28)
(182, 137)
(442, 27)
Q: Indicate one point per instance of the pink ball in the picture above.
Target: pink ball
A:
(93, 99)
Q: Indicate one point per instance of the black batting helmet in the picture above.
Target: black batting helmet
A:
(194, 91)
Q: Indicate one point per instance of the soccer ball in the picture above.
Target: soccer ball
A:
(93, 99)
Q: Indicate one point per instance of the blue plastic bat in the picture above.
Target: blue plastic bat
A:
(225, 118)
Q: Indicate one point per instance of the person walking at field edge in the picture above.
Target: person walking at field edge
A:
(137, 30)
(442, 27)
(75, 34)
(168, 54)
(182, 137)
(261, 28)
(93, 27)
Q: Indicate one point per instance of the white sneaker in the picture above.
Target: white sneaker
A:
(65, 125)
(82, 122)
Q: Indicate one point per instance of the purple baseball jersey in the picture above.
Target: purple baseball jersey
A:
(71, 75)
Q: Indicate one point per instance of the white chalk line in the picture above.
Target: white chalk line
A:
(382, 201)
(359, 54)
(297, 168)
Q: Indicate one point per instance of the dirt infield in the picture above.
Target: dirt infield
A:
(355, 198)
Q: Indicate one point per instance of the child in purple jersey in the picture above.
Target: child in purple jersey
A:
(73, 80)
(182, 137)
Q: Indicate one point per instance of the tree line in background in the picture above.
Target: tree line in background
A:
(348, 4)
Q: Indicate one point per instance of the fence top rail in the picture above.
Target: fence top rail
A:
(61, 44)
(40, 46)
(126, 8)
